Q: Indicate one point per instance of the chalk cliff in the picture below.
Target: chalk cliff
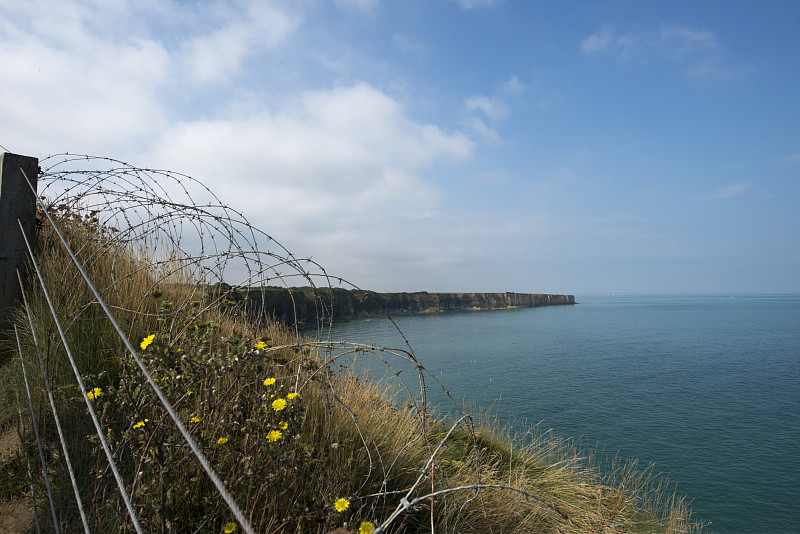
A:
(307, 307)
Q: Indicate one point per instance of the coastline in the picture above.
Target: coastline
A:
(306, 305)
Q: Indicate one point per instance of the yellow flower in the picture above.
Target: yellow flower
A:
(195, 419)
(367, 527)
(269, 381)
(279, 404)
(140, 424)
(283, 425)
(146, 341)
(93, 394)
(292, 395)
(188, 393)
(341, 505)
(274, 435)
(222, 441)
(261, 345)
(229, 527)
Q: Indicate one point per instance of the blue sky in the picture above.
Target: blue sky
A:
(446, 145)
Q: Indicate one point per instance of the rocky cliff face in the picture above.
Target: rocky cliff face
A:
(305, 306)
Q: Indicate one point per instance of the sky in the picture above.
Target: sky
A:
(446, 145)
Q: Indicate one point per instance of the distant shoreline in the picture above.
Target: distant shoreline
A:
(307, 306)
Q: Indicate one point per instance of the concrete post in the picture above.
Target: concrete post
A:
(17, 202)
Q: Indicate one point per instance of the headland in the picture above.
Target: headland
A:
(306, 305)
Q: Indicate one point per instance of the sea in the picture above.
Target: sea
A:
(704, 387)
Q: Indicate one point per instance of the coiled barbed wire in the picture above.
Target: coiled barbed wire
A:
(184, 231)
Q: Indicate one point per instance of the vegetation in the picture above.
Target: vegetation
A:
(302, 444)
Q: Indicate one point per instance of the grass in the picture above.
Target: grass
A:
(288, 431)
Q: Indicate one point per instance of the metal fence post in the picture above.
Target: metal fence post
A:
(17, 202)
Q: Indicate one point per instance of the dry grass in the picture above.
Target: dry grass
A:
(339, 435)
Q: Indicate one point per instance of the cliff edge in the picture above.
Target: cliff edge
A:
(306, 306)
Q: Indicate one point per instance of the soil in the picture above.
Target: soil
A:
(16, 516)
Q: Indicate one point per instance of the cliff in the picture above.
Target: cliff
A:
(307, 307)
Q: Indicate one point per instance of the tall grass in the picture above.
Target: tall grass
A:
(289, 431)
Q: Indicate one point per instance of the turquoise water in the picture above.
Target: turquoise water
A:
(706, 387)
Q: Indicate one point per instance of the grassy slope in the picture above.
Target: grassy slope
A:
(342, 436)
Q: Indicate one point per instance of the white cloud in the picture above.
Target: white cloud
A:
(410, 45)
(513, 87)
(728, 191)
(219, 54)
(91, 76)
(68, 87)
(345, 174)
(330, 171)
(697, 50)
(484, 112)
(598, 42)
(494, 108)
(358, 5)
(472, 4)
(479, 127)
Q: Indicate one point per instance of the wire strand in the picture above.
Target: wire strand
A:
(36, 431)
(53, 407)
(28, 464)
(97, 426)
(223, 491)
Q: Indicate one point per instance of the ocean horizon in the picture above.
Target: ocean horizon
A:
(706, 387)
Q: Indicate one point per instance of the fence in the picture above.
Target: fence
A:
(17, 202)
(153, 237)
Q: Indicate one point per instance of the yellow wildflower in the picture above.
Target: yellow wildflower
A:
(283, 425)
(367, 527)
(229, 527)
(222, 441)
(279, 404)
(195, 419)
(146, 341)
(188, 393)
(269, 381)
(93, 394)
(292, 395)
(341, 505)
(274, 435)
(140, 424)
(261, 345)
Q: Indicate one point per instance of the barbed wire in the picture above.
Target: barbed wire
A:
(36, 433)
(223, 491)
(52, 403)
(28, 467)
(82, 386)
(181, 230)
